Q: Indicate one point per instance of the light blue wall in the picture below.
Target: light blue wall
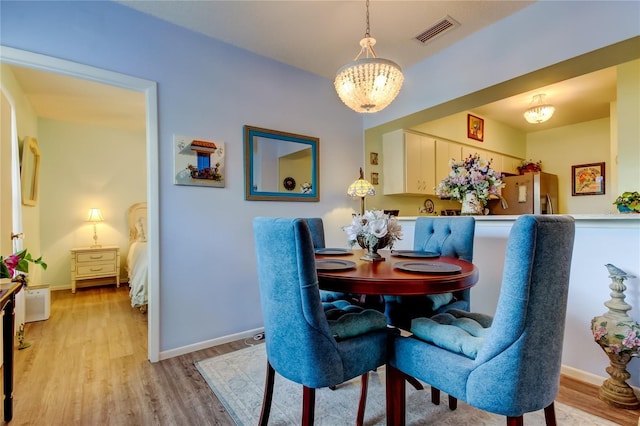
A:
(207, 89)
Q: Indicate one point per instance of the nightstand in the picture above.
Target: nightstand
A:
(88, 263)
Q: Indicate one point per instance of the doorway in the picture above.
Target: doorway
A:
(148, 88)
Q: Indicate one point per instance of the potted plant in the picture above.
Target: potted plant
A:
(628, 202)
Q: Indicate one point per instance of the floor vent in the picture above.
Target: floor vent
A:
(446, 24)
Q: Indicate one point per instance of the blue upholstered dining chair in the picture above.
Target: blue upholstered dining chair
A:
(449, 236)
(302, 344)
(508, 364)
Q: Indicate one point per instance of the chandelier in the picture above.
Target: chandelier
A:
(538, 112)
(368, 84)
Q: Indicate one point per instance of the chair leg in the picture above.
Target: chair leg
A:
(453, 403)
(515, 421)
(435, 396)
(363, 398)
(268, 394)
(414, 382)
(308, 405)
(550, 415)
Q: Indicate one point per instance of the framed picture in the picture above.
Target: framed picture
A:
(475, 127)
(587, 179)
(198, 162)
(374, 178)
(373, 158)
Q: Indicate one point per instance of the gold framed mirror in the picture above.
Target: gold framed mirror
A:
(30, 171)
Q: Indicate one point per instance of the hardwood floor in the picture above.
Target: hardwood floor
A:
(87, 365)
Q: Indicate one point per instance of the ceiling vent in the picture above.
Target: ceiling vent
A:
(446, 24)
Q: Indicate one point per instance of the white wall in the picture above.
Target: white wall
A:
(567, 146)
(85, 166)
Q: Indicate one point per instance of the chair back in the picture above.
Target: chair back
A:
(449, 236)
(316, 227)
(519, 363)
(299, 343)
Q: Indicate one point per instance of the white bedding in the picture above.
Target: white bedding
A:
(138, 266)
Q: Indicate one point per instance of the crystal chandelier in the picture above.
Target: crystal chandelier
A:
(368, 84)
(538, 112)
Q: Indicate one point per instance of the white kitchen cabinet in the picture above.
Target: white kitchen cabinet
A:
(445, 151)
(408, 163)
(510, 164)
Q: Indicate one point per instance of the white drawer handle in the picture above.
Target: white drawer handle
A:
(96, 269)
(96, 257)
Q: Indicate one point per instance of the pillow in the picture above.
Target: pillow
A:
(353, 324)
(463, 334)
(141, 236)
(440, 300)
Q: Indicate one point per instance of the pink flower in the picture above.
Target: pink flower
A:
(631, 339)
(11, 262)
(599, 333)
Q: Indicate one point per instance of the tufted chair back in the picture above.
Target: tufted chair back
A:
(300, 341)
(517, 366)
(316, 227)
(449, 236)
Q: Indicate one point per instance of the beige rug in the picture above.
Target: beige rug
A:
(237, 379)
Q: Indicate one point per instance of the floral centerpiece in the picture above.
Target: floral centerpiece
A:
(628, 202)
(18, 262)
(373, 230)
(471, 181)
(529, 166)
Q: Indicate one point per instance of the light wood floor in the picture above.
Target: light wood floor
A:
(87, 365)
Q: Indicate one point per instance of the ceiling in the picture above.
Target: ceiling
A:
(320, 36)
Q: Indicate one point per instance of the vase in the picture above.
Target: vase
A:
(624, 209)
(372, 254)
(471, 205)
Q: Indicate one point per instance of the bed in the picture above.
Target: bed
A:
(137, 258)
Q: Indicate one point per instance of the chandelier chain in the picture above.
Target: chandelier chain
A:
(367, 33)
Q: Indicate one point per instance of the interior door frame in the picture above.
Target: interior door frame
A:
(37, 61)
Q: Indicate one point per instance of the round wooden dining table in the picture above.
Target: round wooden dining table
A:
(384, 277)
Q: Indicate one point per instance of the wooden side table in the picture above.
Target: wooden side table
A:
(100, 262)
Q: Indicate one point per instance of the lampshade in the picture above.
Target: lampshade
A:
(361, 187)
(538, 112)
(95, 215)
(370, 83)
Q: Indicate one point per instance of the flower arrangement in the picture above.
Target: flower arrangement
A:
(529, 166)
(18, 262)
(474, 174)
(306, 188)
(617, 338)
(372, 227)
(630, 200)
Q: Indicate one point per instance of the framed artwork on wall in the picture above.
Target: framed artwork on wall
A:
(198, 162)
(374, 178)
(587, 179)
(475, 127)
(373, 157)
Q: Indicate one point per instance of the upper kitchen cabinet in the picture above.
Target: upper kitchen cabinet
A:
(445, 151)
(408, 163)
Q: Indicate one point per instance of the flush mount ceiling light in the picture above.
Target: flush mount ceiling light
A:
(538, 112)
(368, 84)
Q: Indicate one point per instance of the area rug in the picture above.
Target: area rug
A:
(237, 379)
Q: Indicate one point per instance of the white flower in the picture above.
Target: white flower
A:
(372, 226)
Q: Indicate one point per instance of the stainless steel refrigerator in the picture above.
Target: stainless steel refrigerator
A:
(530, 193)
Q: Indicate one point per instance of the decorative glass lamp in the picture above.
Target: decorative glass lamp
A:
(361, 188)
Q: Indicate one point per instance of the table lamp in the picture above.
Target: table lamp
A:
(95, 216)
(361, 188)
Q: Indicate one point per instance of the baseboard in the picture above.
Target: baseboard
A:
(585, 376)
(209, 343)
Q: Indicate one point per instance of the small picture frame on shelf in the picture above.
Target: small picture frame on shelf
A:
(588, 179)
(374, 178)
(373, 158)
(475, 127)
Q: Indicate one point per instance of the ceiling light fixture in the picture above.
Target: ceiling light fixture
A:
(368, 84)
(538, 112)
